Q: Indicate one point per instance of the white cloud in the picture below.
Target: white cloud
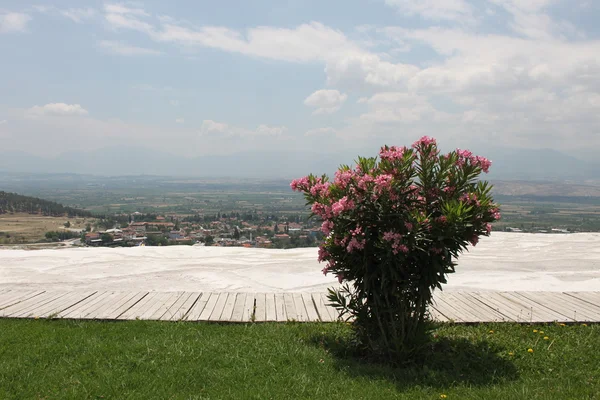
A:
(320, 131)
(124, 49)
(179, 121)
(213, 128)
(79, 15)
(326, 101)
(56, 109)
(13, 22)
(388, 107)
(434, 9)
(118, 8)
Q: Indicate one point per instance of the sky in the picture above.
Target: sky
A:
(196, 77)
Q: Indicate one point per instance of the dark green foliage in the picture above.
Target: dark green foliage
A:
(15, 203)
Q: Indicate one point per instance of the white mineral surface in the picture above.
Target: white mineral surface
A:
(501, 262)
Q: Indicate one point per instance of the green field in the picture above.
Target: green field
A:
(53, 359)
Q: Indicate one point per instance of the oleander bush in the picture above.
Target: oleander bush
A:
(394, 226)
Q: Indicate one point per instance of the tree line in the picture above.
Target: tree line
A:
(15, 203)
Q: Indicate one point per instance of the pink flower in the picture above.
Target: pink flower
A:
(299, 184)
(364, 181)
(323, 254)
(340, 277)
(319, 189)
(488, 228)
(391, 236)
(355, 244)
(436, 250)
(342, 205)
(343, 178)
(326, 227)
(442, 219)
(408, 226)
(474, 240)
(392, 153)
(403, 248)
(483, 163)
(322, 210)
(424, 142)
(325, 270)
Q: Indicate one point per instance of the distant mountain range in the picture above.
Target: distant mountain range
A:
(512, 164)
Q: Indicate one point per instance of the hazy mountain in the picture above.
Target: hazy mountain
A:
(516, 164)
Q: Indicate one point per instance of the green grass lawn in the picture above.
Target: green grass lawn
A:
(156, 360)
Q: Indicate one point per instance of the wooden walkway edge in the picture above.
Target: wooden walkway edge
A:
(460, 307)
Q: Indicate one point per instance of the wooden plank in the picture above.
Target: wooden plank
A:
(248, 308)
(335, 314)
(479, 308)
(28, 306)
(260, 312)
(164, 306)
(562, 304)
(589, 297)
(138, 308)
(311, 310)
(270, 314)
(209, 307)
(105, 305)
(510, 310)
(324, 315)
(290, 307)
(228, 307)
(114, 310)
(181, 307)
(65, 303)
(196, 309)
(436, 315)
(83, 305)
(238, 308)
(538, 312)
(301, 313)
(219, 306)
(15, 297)
(280, 312)
(449, 311)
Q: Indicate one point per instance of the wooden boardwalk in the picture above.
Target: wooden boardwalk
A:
(461, 307)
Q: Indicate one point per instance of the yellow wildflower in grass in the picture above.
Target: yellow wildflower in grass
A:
(535, 331)
(563, 325)
(583, 324)
(443, 396)
(491, 331)
(546, 338)
(510, 353)
(541, 332)
(530, 350)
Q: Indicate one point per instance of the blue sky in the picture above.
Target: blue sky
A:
(205, 77)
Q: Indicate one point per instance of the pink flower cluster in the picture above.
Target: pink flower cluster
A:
(320, 188)
(355, 244)
(327, 227)
(466, 155)
(424, 142)
(343, 204)
(300, 184)
(495, 213)
(323, 253)
(395, 239)
(343, 178)
(322, 210)
(392, 153)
